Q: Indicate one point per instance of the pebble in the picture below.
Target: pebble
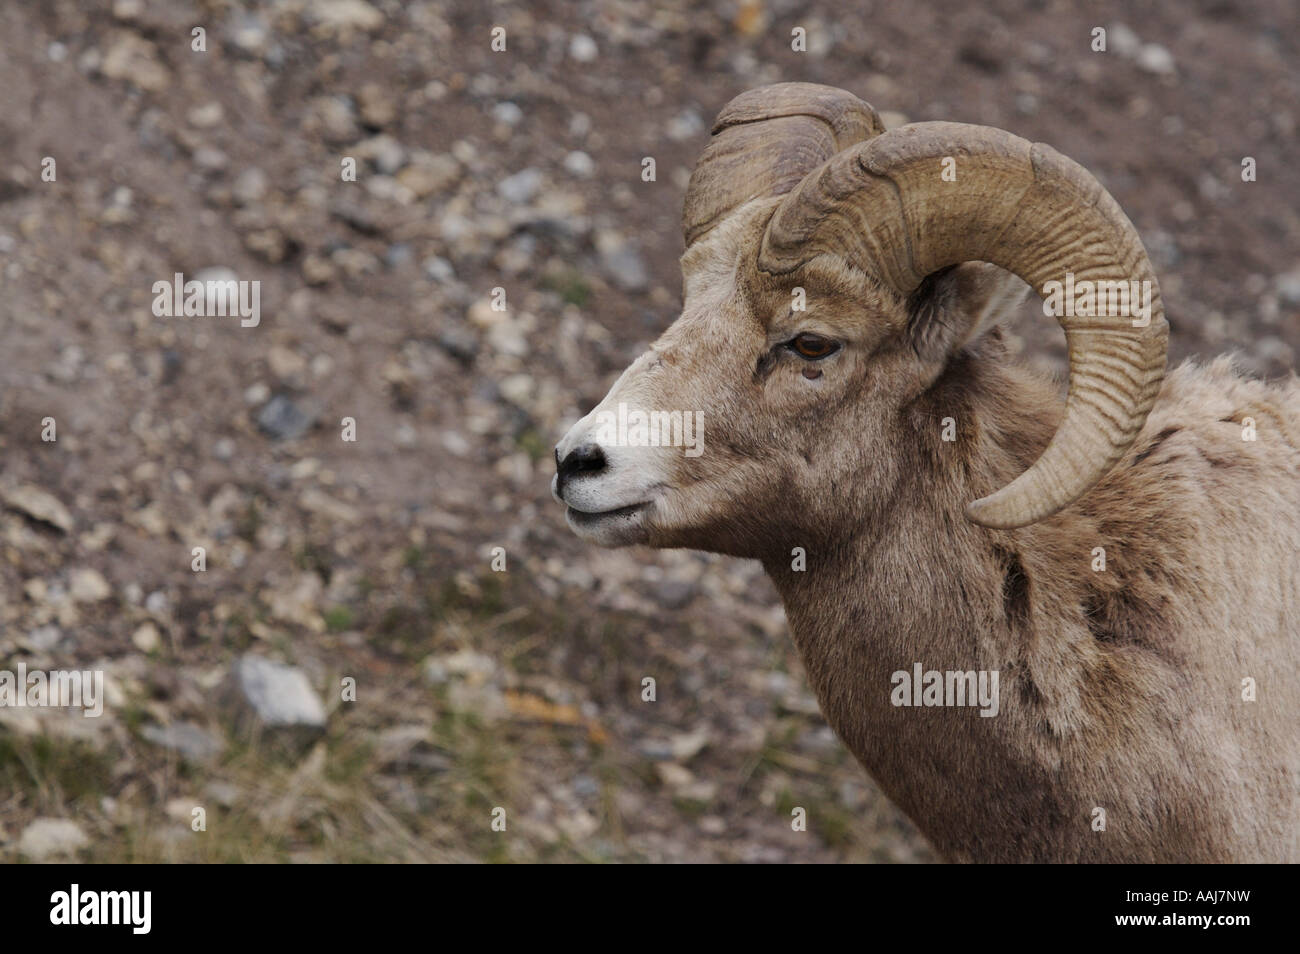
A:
(520, 187)
(508, 113)
(47, 838)
(622, 263)
(248, 32)
(582, 48)
(345, 14)
(39, 505)
(192, 742)
(1122, 40)
(578, 163)
(283, 420)
(250, 186)
(278, 696)
(1288, 287)
(1154, 58)
(146, 638)
(88, 586)
(685, 125)
(439, 269)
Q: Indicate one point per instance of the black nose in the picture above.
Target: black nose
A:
(586, 459)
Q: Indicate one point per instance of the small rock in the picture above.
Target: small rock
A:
(44, 639)
(157, 604)
(675, 594)
(345, 14)
(892, 119)
(519, 389)
(622, 263)
(48, 838)
(334, 117)
(360, 217)
(520, 187)
(439, 269)
(582, 48)
(146, 638)
(460, 343)
(385, 152)
(206, 116)
(687, 745)
(276, 695)
(464, 664)
(487, 702)
(88, 586)
(317, 270)
(1288, 286)
(283, 420)
(578, 163)
(210, 160)
(685, 125)
(398, 254)
(409, 746)
(713, 825)
(39, 505)
(134, 59)
(223, 793)
(127, 9)
(378, 107)
(1271, 349)
(192, 742)
(180, 809)
(336, 511)
(1123, 40)
(250, 186)
(429, 174)
(508, 113)
(1154, 58)
(150, 519)
(248, 32)
(674, 775)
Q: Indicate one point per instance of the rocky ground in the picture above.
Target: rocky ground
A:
(348, 678)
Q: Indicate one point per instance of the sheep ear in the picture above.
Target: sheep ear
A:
(953, 307)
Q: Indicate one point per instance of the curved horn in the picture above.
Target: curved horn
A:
(765, 141)
(885, 207)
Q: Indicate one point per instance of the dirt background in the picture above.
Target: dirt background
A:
(371, 560)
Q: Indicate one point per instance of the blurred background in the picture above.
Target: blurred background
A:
(371, 560)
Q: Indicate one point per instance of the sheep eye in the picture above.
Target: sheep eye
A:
(813, 347)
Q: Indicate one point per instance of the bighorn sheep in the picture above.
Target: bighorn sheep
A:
(1136, 587)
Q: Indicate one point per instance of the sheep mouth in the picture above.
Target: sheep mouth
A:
(585, 517)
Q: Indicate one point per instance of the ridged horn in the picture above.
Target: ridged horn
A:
(886, 208)
(765, 141)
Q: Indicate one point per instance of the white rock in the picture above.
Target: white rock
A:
(1154, 58)
(346, 13)
(582, 48)
(578, 163)
(1288, 286)
(38, 504)
(1120, 39)
(520, 187)
(146, 638)
(507, 113)
(88, 586)
(51, 838)
(278, 695)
